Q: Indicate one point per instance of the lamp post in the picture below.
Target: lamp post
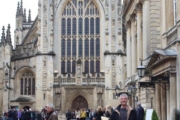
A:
(132, 91)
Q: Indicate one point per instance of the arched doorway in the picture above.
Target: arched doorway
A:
(79, 102)
(26, 108)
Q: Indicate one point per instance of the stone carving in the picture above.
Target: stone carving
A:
(51, 9)
(45, 23)
(44, 8)
(46, 39)
(44, 61)
(45, 75)
(79, 71)
(106, 7)
(113, 37)
(113, 23)
(78, 82)
(107, 24)
(112, 7)
(39, 3)
(51, 39)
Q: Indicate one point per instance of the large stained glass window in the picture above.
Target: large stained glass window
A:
(80, 37)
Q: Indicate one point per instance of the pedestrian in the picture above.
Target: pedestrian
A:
(51, 114)
(83, 114)
(99, 113)
(124, 111)
(68, 115)
(109, 111)
(77, 113)
(140, 111)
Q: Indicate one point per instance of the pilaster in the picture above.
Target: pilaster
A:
(172, 97)
(133, 45)
(146, 29)
(128, 27)
(139, 32)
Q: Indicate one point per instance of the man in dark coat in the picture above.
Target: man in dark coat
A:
(68, 115)
(140, 112)
(124, 111)
(51, 114)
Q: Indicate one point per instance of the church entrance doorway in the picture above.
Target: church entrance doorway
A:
(79, 102)
(26, 108)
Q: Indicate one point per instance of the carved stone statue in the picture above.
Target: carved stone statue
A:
(79, 71)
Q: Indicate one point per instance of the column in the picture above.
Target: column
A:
(133, 45)
(139, 33)
(167, 104)
(128, 48)
(146, 30)
(178, 17)
(172, 96)
(158, 98)
(163, 102)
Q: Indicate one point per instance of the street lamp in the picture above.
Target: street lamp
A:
(141, 70)
(132, 91)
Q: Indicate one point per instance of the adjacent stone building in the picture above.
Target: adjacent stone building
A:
(153, 35)
(71, 55)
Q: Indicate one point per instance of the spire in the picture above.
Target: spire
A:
(29, 17)
(17, 12)
(3, 36)
(21, 9)
(8, 35)
(24, 16)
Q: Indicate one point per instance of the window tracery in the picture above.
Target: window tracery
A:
(27, 84)
(80, 36)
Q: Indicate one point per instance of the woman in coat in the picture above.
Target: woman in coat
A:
(99, 113)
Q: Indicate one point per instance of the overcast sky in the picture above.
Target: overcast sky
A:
(8, 10)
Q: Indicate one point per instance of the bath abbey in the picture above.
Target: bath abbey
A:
(85, 53)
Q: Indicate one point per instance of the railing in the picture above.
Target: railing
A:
(85, 81)
(93, 81)
(68, 81)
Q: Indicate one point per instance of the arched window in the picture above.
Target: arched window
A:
(68, 66)
(63, 47)
(63, 70)
(68, 26)
(86, 66)
(63, 26)
(92, 26)
(92, 47)
(74, 66)
(74, 48)
(80, 47)
(27, 83)
(80, 36)
(68, 48)
(97, 47)
(92, 66)
(97, 66)
(74, 26)
(86, 46)
(86, 26)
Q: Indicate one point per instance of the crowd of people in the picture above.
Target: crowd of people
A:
(122, 112)
(47, 113)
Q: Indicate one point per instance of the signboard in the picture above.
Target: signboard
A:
(160, 79)
(147, 84)
(149, 114)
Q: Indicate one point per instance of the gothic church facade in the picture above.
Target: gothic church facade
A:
(71, 55)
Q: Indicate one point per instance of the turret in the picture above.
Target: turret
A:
(29, 17)
(24, 16)
(18, 10)
(8, 35)
(3, 36)
(21, 8)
